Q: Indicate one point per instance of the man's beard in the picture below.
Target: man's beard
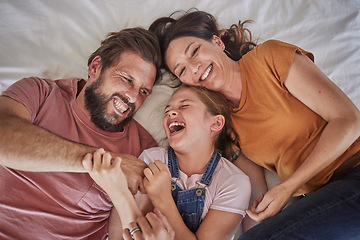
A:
(96, 103)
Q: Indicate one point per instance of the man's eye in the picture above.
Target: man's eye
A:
(144, 92)
(127, 79)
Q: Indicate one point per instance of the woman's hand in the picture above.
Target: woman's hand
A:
(157, 181)
(153, 227)
(271, 203)
(105, 171)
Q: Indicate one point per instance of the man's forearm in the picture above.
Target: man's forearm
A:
(24, 146)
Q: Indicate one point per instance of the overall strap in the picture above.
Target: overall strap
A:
(206, 178)
(210, 168)
(173, 163)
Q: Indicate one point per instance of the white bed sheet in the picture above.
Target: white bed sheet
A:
(53, 38)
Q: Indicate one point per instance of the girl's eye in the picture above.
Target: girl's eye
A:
(184, 106)
(181, 72)
(167, 110)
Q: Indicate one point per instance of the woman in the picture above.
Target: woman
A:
(290, 118)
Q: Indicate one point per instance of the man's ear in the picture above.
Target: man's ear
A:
(218, 123)
(217, 40)
(94, 67)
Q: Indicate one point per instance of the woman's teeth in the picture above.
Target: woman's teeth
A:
(206, 73)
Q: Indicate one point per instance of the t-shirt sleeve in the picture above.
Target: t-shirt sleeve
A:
(146, 140)
(31, 92)
(233, 194)
(278, 57)
(153, 154)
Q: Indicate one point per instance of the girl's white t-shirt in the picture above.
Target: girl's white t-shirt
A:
(228, 191)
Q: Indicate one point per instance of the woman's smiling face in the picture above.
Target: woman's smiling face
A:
(198, 62)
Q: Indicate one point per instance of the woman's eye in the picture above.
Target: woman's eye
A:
(195, 51)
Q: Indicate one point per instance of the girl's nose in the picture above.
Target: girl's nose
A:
(172, 113)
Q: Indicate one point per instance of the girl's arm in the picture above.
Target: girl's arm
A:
(219, 225)
(309, 85)
(258, 185)
(216, 225)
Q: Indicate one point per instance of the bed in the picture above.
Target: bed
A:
(53, 39)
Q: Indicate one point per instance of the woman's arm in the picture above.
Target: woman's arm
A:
(153, 226)
(310, 86)
(107, 173)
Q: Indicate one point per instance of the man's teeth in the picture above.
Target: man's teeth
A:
(176, 126)
(120, 105)
(206, 73)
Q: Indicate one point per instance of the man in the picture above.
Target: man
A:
(49, 126)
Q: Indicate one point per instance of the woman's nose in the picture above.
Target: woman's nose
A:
(195, 67)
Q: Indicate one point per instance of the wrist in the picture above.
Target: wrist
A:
(162, 202)
(291, 186)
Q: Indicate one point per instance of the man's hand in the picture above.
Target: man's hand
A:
(133, 169)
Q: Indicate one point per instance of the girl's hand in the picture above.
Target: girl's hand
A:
(105, 171)
(270, 204)
(157, 181)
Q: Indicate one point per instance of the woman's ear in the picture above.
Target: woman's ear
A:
(218, 123)
(217, 40)
(94, 67)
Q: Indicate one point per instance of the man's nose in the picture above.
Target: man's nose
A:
(131, 95)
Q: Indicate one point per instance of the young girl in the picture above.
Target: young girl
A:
(202, 194)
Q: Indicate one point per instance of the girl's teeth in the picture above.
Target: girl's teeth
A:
(176, 126)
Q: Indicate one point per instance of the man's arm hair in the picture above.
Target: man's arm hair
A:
(28, 147)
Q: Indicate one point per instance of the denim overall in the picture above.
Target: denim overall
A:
(190, 203)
